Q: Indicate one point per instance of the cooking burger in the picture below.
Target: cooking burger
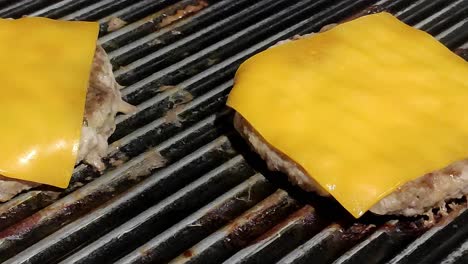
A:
(59, 102)
(370, 112)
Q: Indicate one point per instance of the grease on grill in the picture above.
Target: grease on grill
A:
(75, 204)
(249, 225)
(445, 213)
(182, 13)
(357, 232)
(246, 199)
(307, 215)
(22, 206)
(145, 26)
(220, 213)
(24, 226)
(408, 229)
(153, 160)
(116, 162)
(188, 253)
(454, 209)
(115, 23)
(76, 184)
(172, 116)
(255, 222)
(165, 88)
(180, 100)
(114, 148)
(174, 13)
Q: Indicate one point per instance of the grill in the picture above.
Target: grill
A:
(181, 186)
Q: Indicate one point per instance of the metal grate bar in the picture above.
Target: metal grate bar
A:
(152, 27)
(202, 38)
(445, 18)
(284, 237)
(144, 8)
(61, 8)
(420, 10)
(142, 196)
(19, 8)
(194, 228)
(392, 6)
(221, 244)
(4, 3)
(456, 35)
(161, 128)
(177, 239)
(383, 244)
(162, 215)
(170, 97)
(151, 222)
(21, 206)
(398, 5)
(428, 248)
(458, 256)
(275, 205)
(104, 8)
(333, 238)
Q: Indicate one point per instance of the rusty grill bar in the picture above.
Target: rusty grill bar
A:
(181, 186)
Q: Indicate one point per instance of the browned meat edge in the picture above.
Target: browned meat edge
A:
(413, 198)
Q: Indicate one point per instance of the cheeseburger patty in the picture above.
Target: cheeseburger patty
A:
(103, 102)
(416, 197)
(413, 198)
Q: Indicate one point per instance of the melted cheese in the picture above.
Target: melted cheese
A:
(364, 107)
(44, 78)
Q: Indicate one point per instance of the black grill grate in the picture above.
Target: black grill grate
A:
(181, 185)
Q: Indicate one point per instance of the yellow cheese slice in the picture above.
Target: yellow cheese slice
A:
(44, 78)
(364, 107)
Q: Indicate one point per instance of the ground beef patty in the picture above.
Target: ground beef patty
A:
(103, 102)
